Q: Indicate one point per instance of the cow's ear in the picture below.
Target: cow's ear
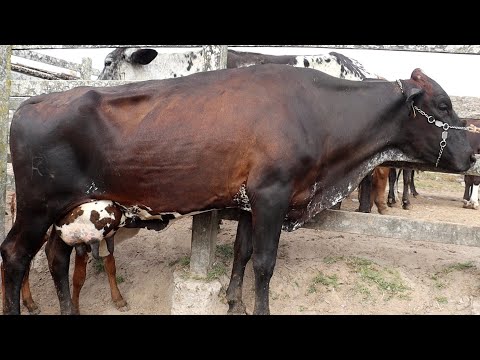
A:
(143, 56)
(413, 93)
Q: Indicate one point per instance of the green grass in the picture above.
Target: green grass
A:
(386, 280)
(218, 269)
(224, 251)
(183, 262)
(441, 300)
(439, 282)
(332, 259)
(325, 280)
(363, 290)
(98, 266)
(458, 267)
(119, 279)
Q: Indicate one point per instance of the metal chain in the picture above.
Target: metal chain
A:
(445, 127)
(443, 144)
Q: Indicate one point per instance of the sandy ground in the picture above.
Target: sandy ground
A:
(317, 272)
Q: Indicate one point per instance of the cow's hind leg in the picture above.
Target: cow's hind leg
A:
(20, 246)
(111, 269)
(242, 253)
(79, 275)
(58, 255)
(27, 295)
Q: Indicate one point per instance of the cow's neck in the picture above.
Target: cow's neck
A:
(345, 173)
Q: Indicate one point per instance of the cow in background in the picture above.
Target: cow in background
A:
(472, 183)
(408, 184)
(372, 190)
(146, 64)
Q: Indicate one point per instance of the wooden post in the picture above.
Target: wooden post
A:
(5, 54)
(204, 238)
(86, 69)
(205, 226)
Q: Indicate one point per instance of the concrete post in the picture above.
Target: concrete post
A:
(5, 54)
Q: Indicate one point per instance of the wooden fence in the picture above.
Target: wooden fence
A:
(204, 228)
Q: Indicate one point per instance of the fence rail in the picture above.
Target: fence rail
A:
(450, 49)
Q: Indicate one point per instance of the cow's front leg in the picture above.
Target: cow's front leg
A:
(268, 213)
(58, 255)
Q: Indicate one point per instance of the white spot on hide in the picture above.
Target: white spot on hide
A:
(242, 200)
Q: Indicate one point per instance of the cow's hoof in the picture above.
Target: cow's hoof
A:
(383, 210)
(34, 311)
(407, 207)
(121, 305)
(237, 308)
(415, 194)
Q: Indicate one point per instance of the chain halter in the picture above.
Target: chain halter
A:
(440, 124)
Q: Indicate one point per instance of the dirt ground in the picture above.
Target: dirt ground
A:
(317, 272)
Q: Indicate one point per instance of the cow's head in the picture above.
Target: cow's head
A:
(147, 64)
(122, 60)
(426, 134)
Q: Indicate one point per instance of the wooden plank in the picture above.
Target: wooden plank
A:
(37, 47)
(395, 227)
(36, 73)
(5, 55)
(448, 49)
(47, 59)
(204, 236)
(23, 88)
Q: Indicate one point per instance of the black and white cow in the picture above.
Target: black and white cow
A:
(145, 64)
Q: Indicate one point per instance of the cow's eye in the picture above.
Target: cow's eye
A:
(108, 62)
(443, 107)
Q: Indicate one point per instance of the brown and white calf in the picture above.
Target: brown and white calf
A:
(91, 226)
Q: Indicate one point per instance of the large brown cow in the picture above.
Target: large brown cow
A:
(285, 143)
(148, 64)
